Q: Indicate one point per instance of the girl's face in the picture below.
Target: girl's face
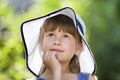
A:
(62, 43)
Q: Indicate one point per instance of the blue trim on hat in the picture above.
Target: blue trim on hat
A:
(79, 25)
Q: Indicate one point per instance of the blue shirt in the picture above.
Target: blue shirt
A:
(80, 77)
(83, 76)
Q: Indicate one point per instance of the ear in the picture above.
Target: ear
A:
(78, 48)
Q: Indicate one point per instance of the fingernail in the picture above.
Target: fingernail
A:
(56, 56)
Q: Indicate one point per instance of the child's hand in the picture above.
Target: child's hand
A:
(51, 61)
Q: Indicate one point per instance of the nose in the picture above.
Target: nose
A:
(57, 41)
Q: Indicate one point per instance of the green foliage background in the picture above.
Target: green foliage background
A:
(102, 18)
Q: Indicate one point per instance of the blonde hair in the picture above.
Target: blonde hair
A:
(65, 24)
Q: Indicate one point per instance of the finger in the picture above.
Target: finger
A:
(45, 55)
(50, 53)
(54, 55)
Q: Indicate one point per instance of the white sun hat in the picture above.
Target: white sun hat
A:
(30, 31)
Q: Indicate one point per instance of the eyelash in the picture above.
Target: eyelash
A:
(66, 36)
(50, 34)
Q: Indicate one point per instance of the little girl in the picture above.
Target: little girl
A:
(56, 48)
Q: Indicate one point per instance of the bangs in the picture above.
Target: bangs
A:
(61, 22)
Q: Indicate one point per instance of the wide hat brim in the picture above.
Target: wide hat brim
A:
(30, 31)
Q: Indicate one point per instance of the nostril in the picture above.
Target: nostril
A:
(57, 42)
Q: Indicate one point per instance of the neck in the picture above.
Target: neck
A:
(65, 68)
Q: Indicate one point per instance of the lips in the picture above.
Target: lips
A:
(56, 50)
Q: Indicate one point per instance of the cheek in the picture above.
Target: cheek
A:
(45, 45)
(70, 46)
